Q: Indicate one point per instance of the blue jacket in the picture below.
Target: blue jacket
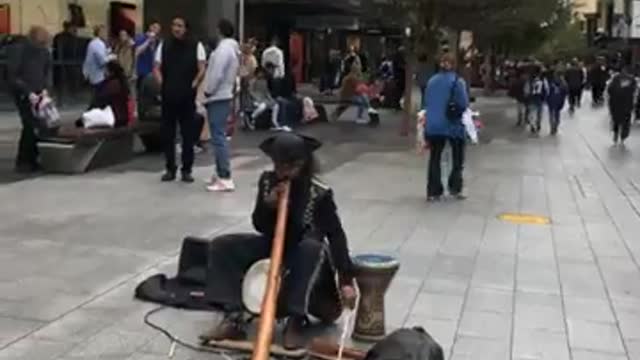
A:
(557, 95)
(435, 103)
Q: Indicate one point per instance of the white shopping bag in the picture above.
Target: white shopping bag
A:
(470, 126)
(99, 118)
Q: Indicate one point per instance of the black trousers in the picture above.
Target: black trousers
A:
(621, 125)
(575, 96)
(183, 113)
(28, 144)
(308, 288)
(456, 183)
(598, 92)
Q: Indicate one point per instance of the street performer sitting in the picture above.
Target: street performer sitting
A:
(315, 248)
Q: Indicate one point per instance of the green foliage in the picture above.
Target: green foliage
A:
(566, 43)
(510, 25)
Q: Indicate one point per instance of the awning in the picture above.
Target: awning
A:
(307, 7)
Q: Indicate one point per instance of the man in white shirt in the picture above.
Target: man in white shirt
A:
(97, 57)
(273, 55)
(179, 67)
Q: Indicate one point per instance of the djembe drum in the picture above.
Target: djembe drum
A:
(373, 274)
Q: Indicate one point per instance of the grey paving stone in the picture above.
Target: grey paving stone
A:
(460, 267)
(11, 329)
(581, 280)
(634, 349)
(483, 299)
(595, 336)
(589, 355)
(629, 325)
(588, 309)
(35, 349)
(494, 271)
(486, 325)
(468, 348)
(438, 306)
(539, 345)
(445, 286)
(77, 326)
(537, 276)
(538, 311)
(110, 343)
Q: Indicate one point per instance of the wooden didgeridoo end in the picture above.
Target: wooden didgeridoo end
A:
(330, 349)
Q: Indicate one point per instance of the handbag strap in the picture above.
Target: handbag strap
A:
(452, 91)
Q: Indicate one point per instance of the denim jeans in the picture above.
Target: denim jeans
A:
(434, 172)
(362, 102)
(522, 113)
(218, 112)
(535, 108)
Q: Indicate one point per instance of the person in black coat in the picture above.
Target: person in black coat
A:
(316, 251)
(598, 77)
(621, 104)
(574, 76)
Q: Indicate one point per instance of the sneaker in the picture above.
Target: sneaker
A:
(459, 196)
(433, 198)
(362, 121)
(168, 177)
(228, 329)
(293, 337)
(222, 185)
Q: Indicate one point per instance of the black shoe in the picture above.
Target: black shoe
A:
(168, 177)
(187, 178)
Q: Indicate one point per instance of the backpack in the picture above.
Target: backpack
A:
(407, 344)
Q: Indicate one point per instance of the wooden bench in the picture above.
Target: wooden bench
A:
(76, 150)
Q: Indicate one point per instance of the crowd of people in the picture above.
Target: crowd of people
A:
(535, 85)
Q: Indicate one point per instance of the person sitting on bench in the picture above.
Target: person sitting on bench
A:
(354, 92)
(113, 92)
(262, 99)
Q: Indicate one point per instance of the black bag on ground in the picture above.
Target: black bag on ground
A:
(407, 344)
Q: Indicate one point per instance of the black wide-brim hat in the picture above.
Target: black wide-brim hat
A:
(288, 147)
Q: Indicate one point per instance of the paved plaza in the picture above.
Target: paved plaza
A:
(74, 248)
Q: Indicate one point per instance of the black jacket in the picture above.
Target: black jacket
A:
(312, 213)
(621, 94)
(29, 68)
(574, 77)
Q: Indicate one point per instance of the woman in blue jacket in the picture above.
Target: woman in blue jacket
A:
(443, 89)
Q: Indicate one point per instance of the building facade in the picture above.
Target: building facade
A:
(51, 13)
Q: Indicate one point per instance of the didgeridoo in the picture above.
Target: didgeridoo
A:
(262, 345)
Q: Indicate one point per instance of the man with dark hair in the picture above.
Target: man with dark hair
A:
(179, 68)
(146, 45)
(224, 63)
(621, 98)
(29, 66)
(574, 76)
(97, 57)
(65, 53)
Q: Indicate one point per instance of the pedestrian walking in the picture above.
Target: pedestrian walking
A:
(220, 81)
(598, 77)
(146, 46)
(621, 104)
(574, 77)
(29, 70)
(179, 68)
(517, 92)
(556, 99)
(535, 93)
(97, 57)
(445, 101)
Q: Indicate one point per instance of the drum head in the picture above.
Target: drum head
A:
(373, 261)
(254, 286)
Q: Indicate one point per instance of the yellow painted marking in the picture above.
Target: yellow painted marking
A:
(525, 219)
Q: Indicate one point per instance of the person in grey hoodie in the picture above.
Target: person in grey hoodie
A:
(220, 81)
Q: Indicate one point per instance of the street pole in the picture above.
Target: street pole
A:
(241, 21)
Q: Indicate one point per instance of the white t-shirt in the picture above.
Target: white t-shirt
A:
(201, 54)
